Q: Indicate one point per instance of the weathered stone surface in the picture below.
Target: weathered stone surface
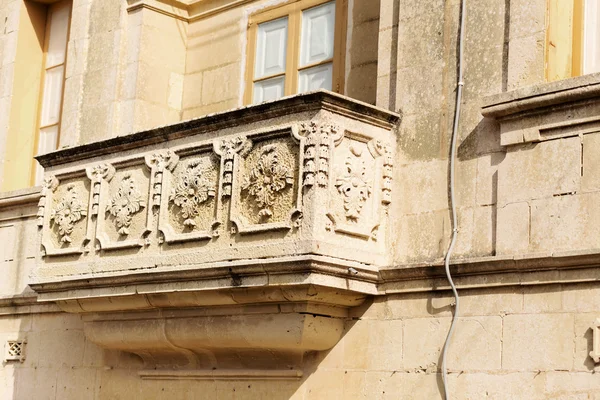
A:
(477, 344)
(512, 228)
(527, 345)
(541, 170)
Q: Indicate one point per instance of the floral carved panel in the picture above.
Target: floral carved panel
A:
(190, 204)
(63, 215)
(123, 209)
(362, 180)
(267, 190)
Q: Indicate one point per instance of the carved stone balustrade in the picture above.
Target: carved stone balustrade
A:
(234, 241)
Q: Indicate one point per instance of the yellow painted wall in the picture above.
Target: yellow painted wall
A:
(23, 113)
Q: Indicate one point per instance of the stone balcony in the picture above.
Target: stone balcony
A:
(227, 243)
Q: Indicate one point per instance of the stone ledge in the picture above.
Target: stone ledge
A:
(223, 375)
(543, 95)
(310, 101)
(494, 271)
(20, 197)
(285, 271)
(547, 111)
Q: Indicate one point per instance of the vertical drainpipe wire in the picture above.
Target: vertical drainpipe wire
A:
(459, 89)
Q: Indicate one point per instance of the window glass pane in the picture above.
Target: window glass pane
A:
(317, 34)
(57, 42)
(314, 78)
(52, 96)
(271, 48)
(48, 139)
(591, 38)
(47, 142)
(270, 89)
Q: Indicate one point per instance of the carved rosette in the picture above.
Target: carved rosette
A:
(96, 174)
(125, 203)
(354, 187)
(227, 149)
(193, 188)
(159, 162)
(48, 186)
(67, 212)
(267, 179)
(317, 150)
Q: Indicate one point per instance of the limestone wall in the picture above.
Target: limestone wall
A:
(512, 343)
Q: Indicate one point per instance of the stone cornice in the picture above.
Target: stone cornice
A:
(299, 270)
(20, 197)
(547, 111)
(186, 11)
(312, 101)
(541, 96)
(496, 271)
(481, 272)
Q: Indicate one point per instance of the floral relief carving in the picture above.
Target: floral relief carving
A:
(193, 188)
(317, 152)
(159, 162)
(267, 179)
(227, 149)
(49, 185)
(125, 203)
(354, 187)
(67, 213)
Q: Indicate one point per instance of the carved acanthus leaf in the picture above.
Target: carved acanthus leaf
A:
(266, 179)
(354, 187)
(193, 188)
(67, 212)
(125, 203)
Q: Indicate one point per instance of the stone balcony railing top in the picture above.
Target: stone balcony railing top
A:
(302, 182)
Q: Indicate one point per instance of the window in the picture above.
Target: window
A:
(572, 38)
(51, 92)
(295, 47)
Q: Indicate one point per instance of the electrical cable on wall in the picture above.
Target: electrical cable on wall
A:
(459, 89)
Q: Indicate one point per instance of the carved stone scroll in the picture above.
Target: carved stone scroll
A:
(228, 149)
(97, 174)
(378, 148)
(48, 186)
(318, 144)
(158, 162)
